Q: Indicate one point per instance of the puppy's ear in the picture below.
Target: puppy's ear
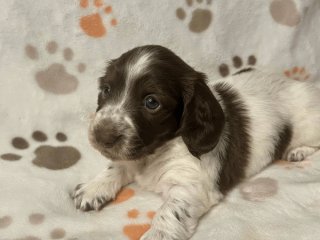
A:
(202, 120)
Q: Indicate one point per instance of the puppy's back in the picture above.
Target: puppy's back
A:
(275, 106)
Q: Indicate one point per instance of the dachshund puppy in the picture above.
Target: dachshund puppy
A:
(166, 128)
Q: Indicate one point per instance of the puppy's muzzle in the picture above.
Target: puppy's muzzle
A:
(107, 136)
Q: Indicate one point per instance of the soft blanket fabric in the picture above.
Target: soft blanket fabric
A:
(52, 53)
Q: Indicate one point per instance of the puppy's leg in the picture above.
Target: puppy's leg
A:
(178, 217)
(300, 153)
(103, 188)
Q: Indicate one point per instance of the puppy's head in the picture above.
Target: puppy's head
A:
(149, 96)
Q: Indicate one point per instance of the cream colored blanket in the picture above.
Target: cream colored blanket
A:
(51, 54)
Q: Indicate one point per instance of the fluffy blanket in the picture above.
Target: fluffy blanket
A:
(51, 54)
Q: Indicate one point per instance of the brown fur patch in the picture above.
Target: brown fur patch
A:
(284, 139)
(235, 157)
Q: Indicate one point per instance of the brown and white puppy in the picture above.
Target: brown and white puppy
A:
(166, 129)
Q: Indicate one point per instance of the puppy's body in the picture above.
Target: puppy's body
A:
(282, 115)
(265, 117)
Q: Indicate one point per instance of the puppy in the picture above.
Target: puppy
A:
(164, 127)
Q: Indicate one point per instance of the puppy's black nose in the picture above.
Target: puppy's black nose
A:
(106, 140)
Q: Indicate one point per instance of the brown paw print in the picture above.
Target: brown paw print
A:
(259, 189)
(92, 24)
(135, 231)
(201, 17)
(298, 74)
(285, 12)
(55, 79)
(224, 69)
(293, 165)
(50, 157)
(33, 219)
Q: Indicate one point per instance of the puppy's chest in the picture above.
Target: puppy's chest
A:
(160, 176)
(174, 166)
(150, 177)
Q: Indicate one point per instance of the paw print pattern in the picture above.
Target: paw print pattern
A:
(298, 74)
(293, 165)
(50, 157)
(201, 17)
(123, 195)
(135, 231)
(224, 69)
(34, 219)
(55, 79)
(5, 222)
(92, 24)
(285, 12)
(259, 189)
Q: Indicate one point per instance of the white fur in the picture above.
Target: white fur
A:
(300, 153)
(135, 67)
(104, 186)
(141, 61)
(116, 113)
(188, 185)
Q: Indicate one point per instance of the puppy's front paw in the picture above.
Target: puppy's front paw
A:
(90, 196)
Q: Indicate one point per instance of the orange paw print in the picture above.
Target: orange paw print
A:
(293, 165)
(135, 231)
(123, 195)
(297, 74)
(92, 24)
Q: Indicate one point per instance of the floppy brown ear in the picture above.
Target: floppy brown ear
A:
(202, 120)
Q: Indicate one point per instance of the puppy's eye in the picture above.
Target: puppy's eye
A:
(151, 103)
(106, 90)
